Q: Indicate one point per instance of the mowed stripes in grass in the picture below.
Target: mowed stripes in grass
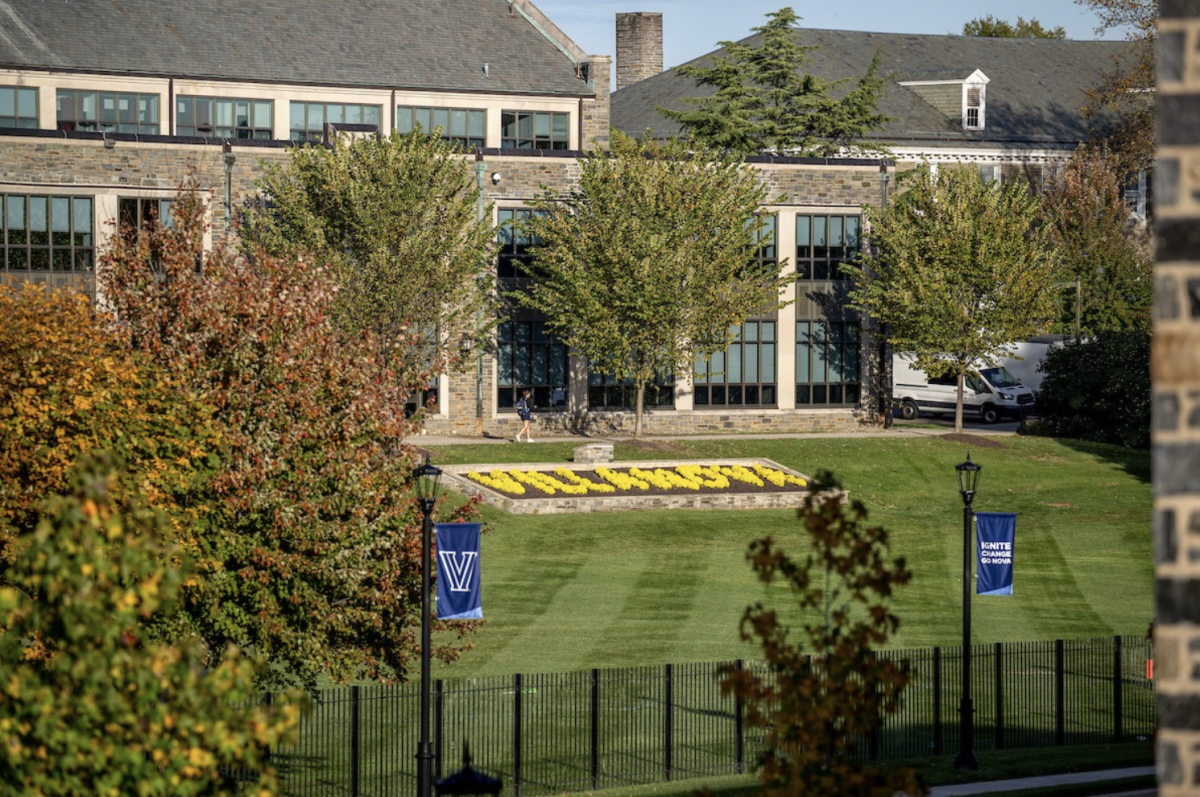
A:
(570, 592)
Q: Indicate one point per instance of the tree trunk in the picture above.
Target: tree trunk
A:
(637, 416)
(958, 409)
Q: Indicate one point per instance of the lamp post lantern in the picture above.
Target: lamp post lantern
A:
(427, 481)
(968, 478)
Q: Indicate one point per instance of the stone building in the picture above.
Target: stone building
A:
(1175, 375)
(106, 107)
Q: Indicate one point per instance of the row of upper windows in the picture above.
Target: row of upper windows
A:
(231, 117)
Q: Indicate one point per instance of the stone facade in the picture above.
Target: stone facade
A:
(1175, 371)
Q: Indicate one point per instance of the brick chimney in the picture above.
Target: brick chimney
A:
(639, 47)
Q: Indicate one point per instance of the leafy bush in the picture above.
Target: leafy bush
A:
(90, 702)
(1099, 390)
(70, 387)
(312, 558)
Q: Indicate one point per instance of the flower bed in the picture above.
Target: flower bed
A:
(634, 480)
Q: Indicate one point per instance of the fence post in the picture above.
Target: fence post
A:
(668, 716)
(739, 736)
(1118, 691)
(999, 666)
(595, 729)
(877, 725)
(354, 741)
(1060, 698)
(937, 701)
(438, 727)
(517, 686)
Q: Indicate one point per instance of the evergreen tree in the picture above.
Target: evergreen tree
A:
(765, 101)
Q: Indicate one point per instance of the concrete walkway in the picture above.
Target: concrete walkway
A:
(996, 430)
(1048, 781)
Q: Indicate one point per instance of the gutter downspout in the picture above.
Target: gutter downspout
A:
(480, 168)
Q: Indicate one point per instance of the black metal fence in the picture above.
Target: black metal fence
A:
(570, 732)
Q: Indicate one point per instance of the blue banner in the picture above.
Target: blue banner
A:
(458, 593)
(995, 537)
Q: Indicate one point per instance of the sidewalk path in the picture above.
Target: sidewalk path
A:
(1047, 781)
(1001, 430)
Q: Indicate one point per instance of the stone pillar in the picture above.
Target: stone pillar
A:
(1175, 374)
(639, 47)
(596, 114)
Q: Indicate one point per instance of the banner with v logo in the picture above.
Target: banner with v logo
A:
(458, 593)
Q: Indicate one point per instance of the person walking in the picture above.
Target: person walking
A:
(525, 413)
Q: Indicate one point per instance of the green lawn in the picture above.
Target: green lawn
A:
(571, 592)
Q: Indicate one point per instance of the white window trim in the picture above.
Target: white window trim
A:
(975, 81)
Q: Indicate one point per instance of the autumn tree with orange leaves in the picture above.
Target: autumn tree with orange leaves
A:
(310, 557)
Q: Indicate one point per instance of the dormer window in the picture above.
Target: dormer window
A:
(973, 94)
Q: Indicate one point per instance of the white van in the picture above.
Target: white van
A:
(1032, 352)
(991, 392)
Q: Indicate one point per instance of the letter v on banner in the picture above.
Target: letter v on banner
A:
(995, 543)
(458, 593)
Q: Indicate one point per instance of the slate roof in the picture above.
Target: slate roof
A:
(1036, 86)
(422, 44)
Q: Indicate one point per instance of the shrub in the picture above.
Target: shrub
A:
(93, 704)
(313, 557)
(69, 387)
(1099, 390)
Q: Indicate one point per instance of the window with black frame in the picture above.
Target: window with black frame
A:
(224, 117)
(308, 119)
(18, 107)
(744, 374)
(606, 392)
(107, 111)
(515, 245)
(535, 130)
(827, 372)
(464, 126)
(528, 356)
(46, 233)
(823, 243)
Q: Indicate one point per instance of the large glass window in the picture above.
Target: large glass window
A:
(308, 119)
(46, 233)
(224, 117)
(464, 126)
(743, 374)
(107, 111)
(535, 130)
(605, 392)
(516, 245)
(528, 356)
(827, 363)
(18, 107)
(823, 242)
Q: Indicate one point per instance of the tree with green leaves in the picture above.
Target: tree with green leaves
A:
(765, 101)
(829, 689)
(1106, 262)
(401, 222)
(652, 259)
(960, 270)
(991, 28)
(93, 703)
(1127, 90)
(308, 550)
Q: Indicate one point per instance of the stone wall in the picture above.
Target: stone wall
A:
(1175, 372)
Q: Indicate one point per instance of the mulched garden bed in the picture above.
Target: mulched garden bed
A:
(735, 487)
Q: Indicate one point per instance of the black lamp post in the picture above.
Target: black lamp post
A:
(427, 480)
(467, 781)
(968, 478)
